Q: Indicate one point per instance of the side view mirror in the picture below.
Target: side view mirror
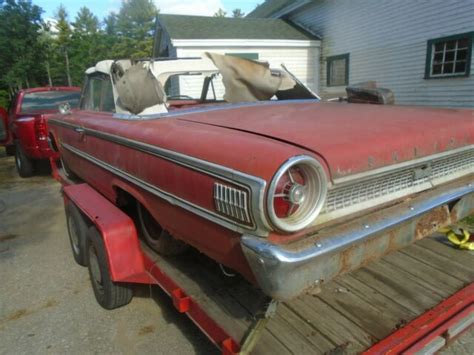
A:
(65, 109)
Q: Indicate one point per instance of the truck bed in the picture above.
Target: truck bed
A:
(350, 314)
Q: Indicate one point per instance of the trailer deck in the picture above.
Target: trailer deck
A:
(351, 313)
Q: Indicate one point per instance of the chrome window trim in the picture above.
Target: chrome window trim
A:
(183, 112)
(171, 198)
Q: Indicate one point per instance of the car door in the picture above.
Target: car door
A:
(97, 109)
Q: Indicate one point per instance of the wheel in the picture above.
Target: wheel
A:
(108, 294)
(24, 165)
(10, 150)
(77, 228)
(155, 236)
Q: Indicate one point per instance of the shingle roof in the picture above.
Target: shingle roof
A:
(203, 27)
(269, 7)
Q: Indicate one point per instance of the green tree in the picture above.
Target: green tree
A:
(86, 22)
(237, 13)
(220, 13)
(63, 40)
(20, 24)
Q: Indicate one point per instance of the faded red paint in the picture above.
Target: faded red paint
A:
(255, 140)
(353, 138)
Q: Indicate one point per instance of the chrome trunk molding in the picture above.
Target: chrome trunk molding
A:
(362, 191)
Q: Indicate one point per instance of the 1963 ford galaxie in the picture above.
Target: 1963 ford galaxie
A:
(216, 153)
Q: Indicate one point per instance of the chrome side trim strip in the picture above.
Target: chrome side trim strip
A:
(173, 199)
(392, 168)
(255, 184)
(283, 272)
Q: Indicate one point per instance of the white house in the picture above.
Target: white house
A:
(273, 40)
(421, 49)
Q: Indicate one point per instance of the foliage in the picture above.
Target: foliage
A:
(38, 53)
(237, 13)
(220, 13)
(20, 24)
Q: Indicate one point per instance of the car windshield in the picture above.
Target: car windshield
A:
(49, 100)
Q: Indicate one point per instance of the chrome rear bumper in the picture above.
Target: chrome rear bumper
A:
(286, 271)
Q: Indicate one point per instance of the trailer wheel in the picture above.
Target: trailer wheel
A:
(108, 294)
(156, 237)
(77, 229)
(24, 165)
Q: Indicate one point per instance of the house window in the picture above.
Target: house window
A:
(449, 56)
(338, 70)
(252, 56)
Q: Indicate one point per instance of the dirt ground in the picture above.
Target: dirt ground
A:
(46, 302)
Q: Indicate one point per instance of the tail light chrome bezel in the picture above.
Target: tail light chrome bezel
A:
(317, 182)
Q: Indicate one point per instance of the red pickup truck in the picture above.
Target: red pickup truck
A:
(24, 132)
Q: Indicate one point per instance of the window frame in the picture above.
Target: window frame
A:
(429, 55)
(85, 92)
(329, 61)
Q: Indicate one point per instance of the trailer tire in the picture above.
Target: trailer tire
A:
(77, 228)
(24, 165)
(156, 237)
(108, 294)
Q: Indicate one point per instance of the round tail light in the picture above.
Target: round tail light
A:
(296, 194)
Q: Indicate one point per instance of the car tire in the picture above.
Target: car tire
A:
(109, 294)
(77, 228)
(24, 165)
(155, 236)
(10, 150)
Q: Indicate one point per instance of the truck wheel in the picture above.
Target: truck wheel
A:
(155, 236)
(77, 229)
(10, 150)
(108, 294)
(24, 165)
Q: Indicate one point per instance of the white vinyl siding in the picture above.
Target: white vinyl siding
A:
(387, 42)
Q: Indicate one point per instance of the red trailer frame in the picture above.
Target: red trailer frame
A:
(128, 262)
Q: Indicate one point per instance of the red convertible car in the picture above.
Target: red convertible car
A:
(217, 153)
(25, 130)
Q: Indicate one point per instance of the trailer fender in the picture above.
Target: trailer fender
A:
(117, 230)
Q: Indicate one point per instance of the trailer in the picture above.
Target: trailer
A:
(416, 299)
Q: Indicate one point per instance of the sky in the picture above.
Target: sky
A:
(101, 8)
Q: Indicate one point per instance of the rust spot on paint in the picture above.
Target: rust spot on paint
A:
(6, 237)
(146, 330)
(371, 162)
(395, 156)
(432, 221)
(415, 152)
(18, 314)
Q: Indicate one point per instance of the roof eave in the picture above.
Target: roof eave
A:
(229, 43)
(288, 9)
